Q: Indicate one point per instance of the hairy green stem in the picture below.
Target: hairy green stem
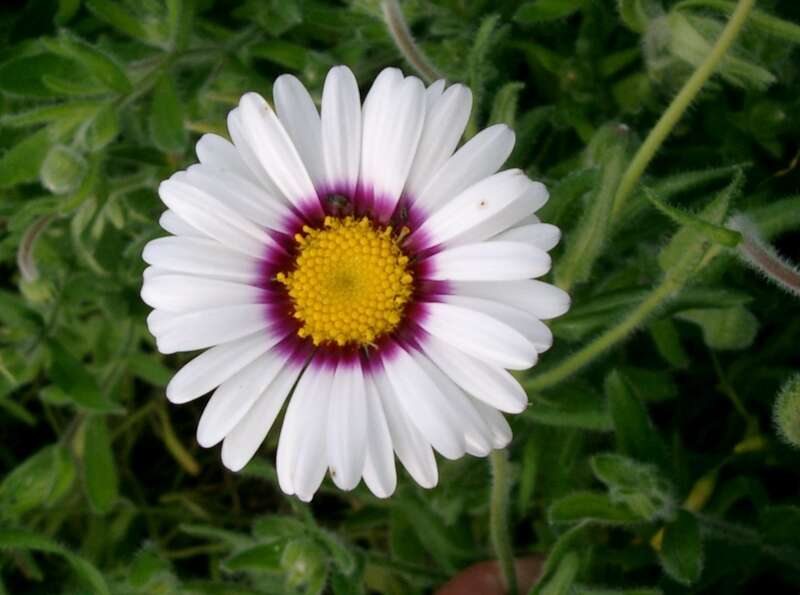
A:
(404, 41)
(608, 339)
(498, 518)
(682, 100)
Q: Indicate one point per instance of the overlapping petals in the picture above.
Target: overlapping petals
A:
(439, 381)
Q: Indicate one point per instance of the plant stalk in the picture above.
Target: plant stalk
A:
(682, 100)
(401, 34)
(498, 518)
(608, 339)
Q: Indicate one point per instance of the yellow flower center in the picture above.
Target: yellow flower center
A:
(350, 283)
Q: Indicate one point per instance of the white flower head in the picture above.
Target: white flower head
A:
(359, 267)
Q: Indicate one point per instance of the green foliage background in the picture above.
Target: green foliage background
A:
(648, 461)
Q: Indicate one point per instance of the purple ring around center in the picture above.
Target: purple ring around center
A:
(341, 200)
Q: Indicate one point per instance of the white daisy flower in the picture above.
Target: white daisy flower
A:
(356, 265)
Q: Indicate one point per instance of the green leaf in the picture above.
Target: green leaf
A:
(147, 568)
(638, 485)
(572, 409)
(276, 17)
(541, 11)
(757, 19)
(101, 129)
(668, 342)
(180, 19)
(73, 86)
(681, 552)
(303, 561)
(591, 506)
(635, 434)
(40, 480)
(66, 10)
(166, 118)
(635, 14)
(715, 233)
(685, 253)
(281, 52)
(724, 329)
(561, 581)
(99, 467)
(63, 170)
(115, 15)
(477, 60)
(275, 527)
(504, 108)
(74, 380)
(150, 369)
(96, 61)
(341, 555)
(22, 162)
(588, 240)
(20, 539)
(217, 535)
(69, 111)
(691, 40)
(264, 557)
(24, 75)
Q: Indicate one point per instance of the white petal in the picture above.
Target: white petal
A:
(218, 221)
(446, 117)
(153, 272)
(234, 397)
(413, 450)
(242, 442)
(204, 328)
(530, 327)
(341, 128)
(481, 156)
(204, 257)
(213, 367)
(489, 261)
(491, 384)
(311, 462)
(542, 300)
(301, 460)
(183, 293)
(434, 93)
(276, 152)
(220, 155)
(393, 118)
(170, 222)
(247, 153)
(423, 403)
(380, 474)
(498, 426)
(484, 209)
(374, 117)
(299, 116)
(542, 235)
(293, 428)
(244, 197)
(347, 425)
(477, 435)
(479, 335)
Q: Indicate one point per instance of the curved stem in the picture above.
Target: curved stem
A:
(675, 111)
(404, 41)
(498, 518)
(606, 340)
(763, 258)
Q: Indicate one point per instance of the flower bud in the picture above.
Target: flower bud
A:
(787, 411)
